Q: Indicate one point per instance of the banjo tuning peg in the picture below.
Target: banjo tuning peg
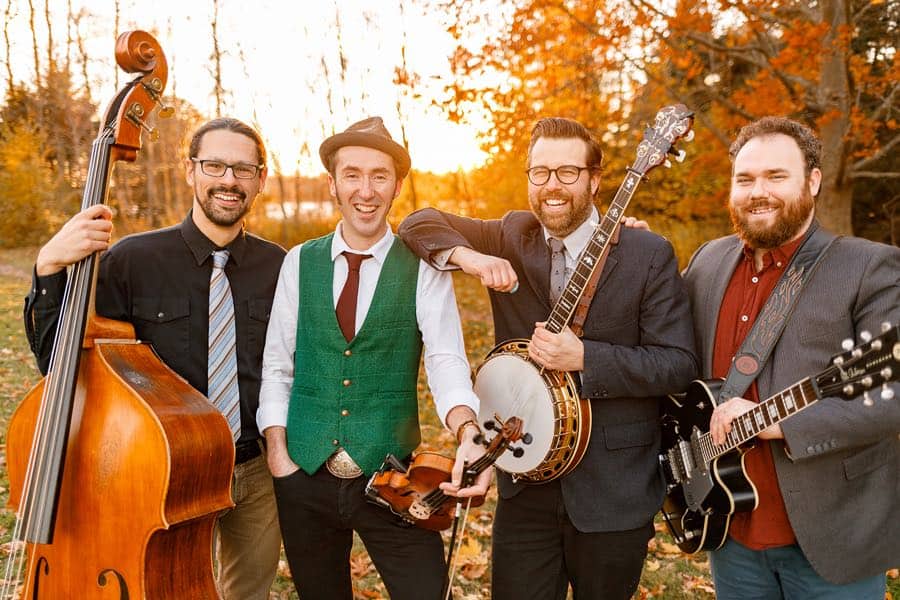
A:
(527, 439)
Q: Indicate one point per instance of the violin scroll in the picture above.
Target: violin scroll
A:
(137, 52)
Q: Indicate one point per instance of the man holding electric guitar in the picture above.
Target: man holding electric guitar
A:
(581, 524)
(818, 496)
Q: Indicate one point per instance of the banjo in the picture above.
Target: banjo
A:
(510, 384)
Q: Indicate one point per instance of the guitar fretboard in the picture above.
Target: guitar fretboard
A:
(767, 413)
(564, 310)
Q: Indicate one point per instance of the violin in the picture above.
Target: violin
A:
(117, 466)
(413, 493)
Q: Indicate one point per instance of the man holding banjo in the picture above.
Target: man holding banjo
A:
(586, 524)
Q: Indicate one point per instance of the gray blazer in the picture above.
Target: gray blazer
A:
(638, 346)
(839, 465)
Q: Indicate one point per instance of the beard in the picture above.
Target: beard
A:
(223, 217)
(562, 224)
(793, 216)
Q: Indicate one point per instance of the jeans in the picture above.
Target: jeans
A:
(248, 540)
(780, 573)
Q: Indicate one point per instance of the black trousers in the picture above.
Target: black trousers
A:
(538, 553)
(318, 514)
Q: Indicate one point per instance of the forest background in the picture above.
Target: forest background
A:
(608, 63)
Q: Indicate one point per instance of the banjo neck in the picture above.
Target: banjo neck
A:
(564, 310)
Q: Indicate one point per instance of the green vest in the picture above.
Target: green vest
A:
(361, 394)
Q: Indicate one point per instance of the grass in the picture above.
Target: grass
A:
(668, 574)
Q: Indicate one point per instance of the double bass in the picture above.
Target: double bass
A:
(117, 466)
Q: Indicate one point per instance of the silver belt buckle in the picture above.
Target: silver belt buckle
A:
(342, 466)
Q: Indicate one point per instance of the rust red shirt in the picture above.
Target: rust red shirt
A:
(767, 526)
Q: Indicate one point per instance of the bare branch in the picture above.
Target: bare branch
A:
(858, 15)
(869, 160)
(887, 104)
(875, 175)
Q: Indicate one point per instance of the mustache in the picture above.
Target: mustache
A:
(227, 190)
(756, 204)
(554, 195)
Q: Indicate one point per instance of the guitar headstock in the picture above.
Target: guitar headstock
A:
(872, 362)
(671, 124)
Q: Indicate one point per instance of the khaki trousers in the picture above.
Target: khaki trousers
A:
(248, 539)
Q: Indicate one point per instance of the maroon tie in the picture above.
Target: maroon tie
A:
(346, 306)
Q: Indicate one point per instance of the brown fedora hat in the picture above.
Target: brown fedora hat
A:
(369, 133)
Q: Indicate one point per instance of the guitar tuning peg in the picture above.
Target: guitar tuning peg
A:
(847, 344)
(849, 390)
(887, 392)
(166, 112)
(667, 163)
(689, 136)
(885, 326)
(680, 156)
(886, 374)
(867, 399)
(866, 381)
(865, 336)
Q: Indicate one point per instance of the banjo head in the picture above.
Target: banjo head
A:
(509, 385)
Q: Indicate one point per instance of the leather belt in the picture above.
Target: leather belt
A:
(342, 466)
(245, 451)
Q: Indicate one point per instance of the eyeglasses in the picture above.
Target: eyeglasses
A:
(564, 174)
(216, 168)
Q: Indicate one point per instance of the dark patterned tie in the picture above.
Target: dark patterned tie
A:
(346, 306)
(557, 268)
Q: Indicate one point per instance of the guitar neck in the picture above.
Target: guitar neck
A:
(564, 310)
(769, 412)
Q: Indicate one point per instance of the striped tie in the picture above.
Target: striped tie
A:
(222, 367)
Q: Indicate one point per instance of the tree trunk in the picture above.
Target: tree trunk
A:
(7, 17)
(835, 201)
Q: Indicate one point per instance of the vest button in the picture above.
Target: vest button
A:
(345, 413)
(346, 383)
(347, 352)
(335, 442)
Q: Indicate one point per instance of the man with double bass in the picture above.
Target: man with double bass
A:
(160, 282)
(827, 479)
(589, 528)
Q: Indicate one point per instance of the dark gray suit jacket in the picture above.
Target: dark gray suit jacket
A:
(840, 480)
(638, 346)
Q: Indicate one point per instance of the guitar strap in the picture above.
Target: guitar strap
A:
(759, 343)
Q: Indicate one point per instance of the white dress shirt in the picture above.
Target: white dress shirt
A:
(436, 313)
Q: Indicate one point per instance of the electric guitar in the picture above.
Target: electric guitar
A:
(706, 483)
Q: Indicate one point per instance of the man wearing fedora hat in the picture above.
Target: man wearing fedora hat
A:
(351, 315)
